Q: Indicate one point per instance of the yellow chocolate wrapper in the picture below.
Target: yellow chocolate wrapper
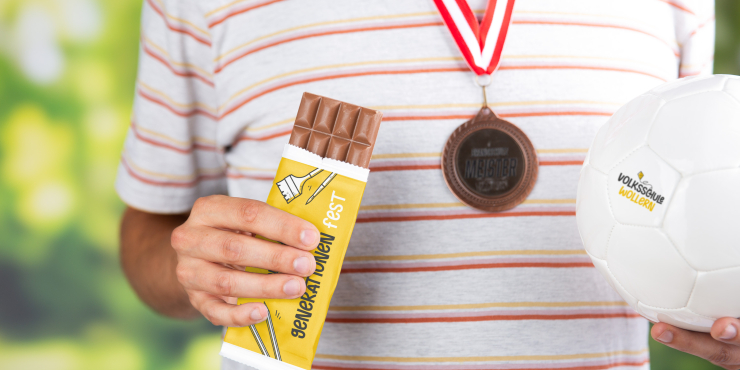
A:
(326, 193)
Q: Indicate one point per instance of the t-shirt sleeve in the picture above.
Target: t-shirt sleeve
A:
(170, 156)
(695, 34)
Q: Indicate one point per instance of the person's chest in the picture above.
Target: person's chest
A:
(566, 67)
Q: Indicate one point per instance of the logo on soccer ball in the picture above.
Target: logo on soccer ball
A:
(639, 192)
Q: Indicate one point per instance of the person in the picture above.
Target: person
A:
(427, 282)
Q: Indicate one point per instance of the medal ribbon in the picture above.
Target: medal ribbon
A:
(481, 45)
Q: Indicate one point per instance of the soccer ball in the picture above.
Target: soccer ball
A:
(658, 206)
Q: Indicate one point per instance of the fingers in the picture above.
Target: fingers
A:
(725, 330)
(200, 275)
(220, 313)
(237, 249)
(255, 217)
(698, 344)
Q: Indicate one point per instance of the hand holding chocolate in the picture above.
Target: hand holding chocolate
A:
(321, 178)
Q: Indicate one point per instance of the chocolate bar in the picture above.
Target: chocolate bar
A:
(321, 178)
(336, 130)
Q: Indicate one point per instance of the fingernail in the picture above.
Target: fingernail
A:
(308, 238)
(256, 315)
(729, 332)
(292, 288)
(302, 265)
(666, 337)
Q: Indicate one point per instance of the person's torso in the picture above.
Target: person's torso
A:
(429, 282)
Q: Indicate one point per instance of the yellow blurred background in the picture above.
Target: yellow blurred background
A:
(67, 73)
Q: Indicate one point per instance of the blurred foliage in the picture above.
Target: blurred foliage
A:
(67, 72)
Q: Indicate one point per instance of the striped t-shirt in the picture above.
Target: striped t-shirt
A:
(428, 283)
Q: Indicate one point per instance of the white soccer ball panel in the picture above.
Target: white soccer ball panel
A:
(682, 318)
(716, 294)
(688, 86)
(640, 188)
(698, 133)
(593, 216)
(625, 131)
(703, 220)
(648, 266)
(604, 270)
(732, 87)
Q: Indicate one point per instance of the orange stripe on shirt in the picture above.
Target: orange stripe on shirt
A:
(584, 24)
(678, 6)
(476, 266)
(172, 27)
(439, 167)
(324, 33)
(503, 115)
(699, 27)
(416, 71)
(240, 11)
(337, 76)
(188, 184)
(417, 320)
(149, 51)
(220, 67)
(465, 216)
(141, 137)
(391, 367)
(174, 110)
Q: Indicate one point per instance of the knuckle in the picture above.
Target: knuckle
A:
(231, 250)
(267, 290)
(249, 210)
(239, 320)
(720, 357)
(193, 301)
(210, 314)
(224, 284)
(278, 258)
(179, 237)
(200, 204)
(182, 273)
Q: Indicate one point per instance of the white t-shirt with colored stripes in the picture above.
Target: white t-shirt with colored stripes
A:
(428, 283)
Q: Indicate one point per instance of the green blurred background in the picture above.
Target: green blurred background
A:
(67, 72)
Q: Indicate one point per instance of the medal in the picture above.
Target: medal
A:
(488, 163)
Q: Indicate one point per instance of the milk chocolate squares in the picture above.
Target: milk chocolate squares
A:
(336, 130)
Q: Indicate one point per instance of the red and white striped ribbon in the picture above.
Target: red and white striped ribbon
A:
(481, 45)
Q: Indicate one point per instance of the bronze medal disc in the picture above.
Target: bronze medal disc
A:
(489, 163)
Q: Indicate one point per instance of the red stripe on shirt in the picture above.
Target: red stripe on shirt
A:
(583, 24)
(174, 110)
(413, 167)
(174, 184)
(416, 71)
(678, 6)
(395, 367)
(479, 318)
(341, 75)
(160, 144)
(232, 175)
(172, 27)
(499, 265)
(465, 216)
(169, 66)
(325, 33)
(240, 11)
(219, 68)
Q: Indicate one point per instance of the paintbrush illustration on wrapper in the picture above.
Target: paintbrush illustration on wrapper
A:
(291, 187)
(323, 185)
(273, 338)
(259, 341)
